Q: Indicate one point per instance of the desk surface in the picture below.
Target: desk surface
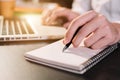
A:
(13, 65)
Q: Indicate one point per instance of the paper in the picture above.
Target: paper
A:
(72, 57)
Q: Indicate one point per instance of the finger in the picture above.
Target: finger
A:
(102, 43)
(95, 36)
(89, 31)
(58, 13)
(79, 21)
(66, 25)
(46, 16)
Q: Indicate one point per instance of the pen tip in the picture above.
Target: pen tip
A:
(64, 49)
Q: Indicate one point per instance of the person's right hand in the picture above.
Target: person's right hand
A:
(96, 31)
(51, 16)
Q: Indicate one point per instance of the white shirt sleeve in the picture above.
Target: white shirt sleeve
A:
(81, 6)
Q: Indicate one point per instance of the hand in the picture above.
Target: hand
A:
(51, 16)
(97, 31)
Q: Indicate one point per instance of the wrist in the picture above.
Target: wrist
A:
(117, 27)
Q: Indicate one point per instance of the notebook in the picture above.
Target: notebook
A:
(76, 60)
(20, 29)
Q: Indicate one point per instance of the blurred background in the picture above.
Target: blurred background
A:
(31, 8)
(37, 6)
(64, 3)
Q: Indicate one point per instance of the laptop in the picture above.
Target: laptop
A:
(19, 29)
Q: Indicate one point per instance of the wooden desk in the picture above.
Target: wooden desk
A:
(13, 65)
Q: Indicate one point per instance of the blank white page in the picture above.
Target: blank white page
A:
(72, 57)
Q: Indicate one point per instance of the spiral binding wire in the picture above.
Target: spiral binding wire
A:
(97, 58)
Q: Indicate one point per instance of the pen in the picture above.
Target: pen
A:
(68, 44)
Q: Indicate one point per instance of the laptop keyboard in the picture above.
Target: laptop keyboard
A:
(15, 27)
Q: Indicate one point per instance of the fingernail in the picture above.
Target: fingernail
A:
(48, 19)
(75, 44)
(65, 41)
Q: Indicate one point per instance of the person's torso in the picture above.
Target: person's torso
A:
(109, 8)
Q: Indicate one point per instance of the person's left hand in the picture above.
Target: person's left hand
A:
(59, 15)
(97, 31)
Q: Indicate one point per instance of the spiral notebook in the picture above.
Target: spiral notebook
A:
(76, 60)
